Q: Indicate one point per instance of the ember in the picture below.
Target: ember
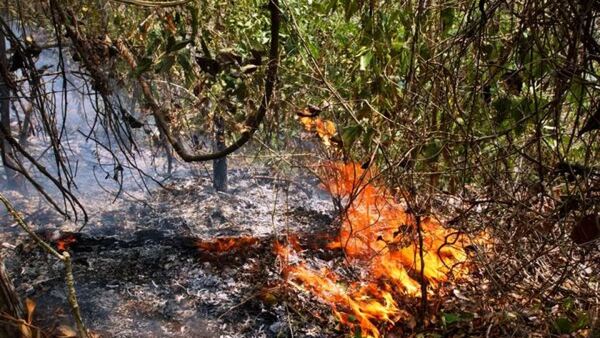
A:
(379, 236)
(65, 242)
(224, 244)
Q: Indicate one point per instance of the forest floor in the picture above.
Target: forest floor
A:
(141, 269)
(187, 261)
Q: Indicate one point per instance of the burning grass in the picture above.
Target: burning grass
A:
(225, 244)
(380, 239)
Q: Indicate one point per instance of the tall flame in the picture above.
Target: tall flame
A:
(380, 237)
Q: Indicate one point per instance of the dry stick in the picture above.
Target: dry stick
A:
(72, 296)
(64, 257)
(287, 310)
(239, 304)
(11, 307)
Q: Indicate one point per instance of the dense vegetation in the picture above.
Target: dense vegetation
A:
(493, 105)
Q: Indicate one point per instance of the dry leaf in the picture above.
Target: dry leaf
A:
(170, 23)
(65, 331)
(307, 122)
(29, 308)
(325, 130)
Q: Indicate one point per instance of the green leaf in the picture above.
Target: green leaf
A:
(143, 66)
(350, 134)
(503, 106)
(165, 64)
(365, 60)
(568, 303)
(451, 318)
(424, 51)
(331, 6)
(582, 321)
(351, 7)
(173, 46)
(577, 91)
(431, 151)
(154, 40)
(183, 59)
(314, 51)
(170, 42)
(194, 12)
(351, 318)
(367, 136)
(447, 16)
(563, 325)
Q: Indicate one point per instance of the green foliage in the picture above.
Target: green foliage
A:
(434, 86)
(451, 318)
(571, 320)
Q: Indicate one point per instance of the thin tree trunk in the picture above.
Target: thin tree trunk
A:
(168, 151)
(12, 177)
(4, 105)
(24, 134)
(220, 164)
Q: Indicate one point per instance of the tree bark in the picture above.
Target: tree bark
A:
(219, 164)
(4, 105)
(12, 177)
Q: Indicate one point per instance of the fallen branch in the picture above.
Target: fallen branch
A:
(65, 257)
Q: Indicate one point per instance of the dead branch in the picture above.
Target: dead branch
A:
(65, 257)
(160, 113)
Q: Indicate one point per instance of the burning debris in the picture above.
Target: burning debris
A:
(380, 239)
(225, 244)
(168, 268)
(65, 242)
(377, 237)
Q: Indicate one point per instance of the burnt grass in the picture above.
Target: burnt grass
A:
(187, 261)
(140, 270)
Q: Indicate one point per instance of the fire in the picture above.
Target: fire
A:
(325, 129)
(351, 304)
(65, 242)
(381, 238)
(225, 244)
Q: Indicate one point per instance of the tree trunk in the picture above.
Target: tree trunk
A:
(12, 177)
(220, 164)
(10, 304)
(4, 105)
(169, 152)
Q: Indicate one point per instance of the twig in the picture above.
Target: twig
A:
(65, 257)
(238, 305)
(72, 295)
(289, 320)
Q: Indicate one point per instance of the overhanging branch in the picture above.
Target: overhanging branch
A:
(252, 122)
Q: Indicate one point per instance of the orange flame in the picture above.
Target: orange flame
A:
(325, 129)
(378, 235)
(65, 242)
(224, 244)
